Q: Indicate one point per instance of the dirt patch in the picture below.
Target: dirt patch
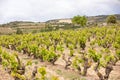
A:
(4, 75)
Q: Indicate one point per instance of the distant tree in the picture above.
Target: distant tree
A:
(76, 19)
(19, 31)
(80, 20)
(111, 19)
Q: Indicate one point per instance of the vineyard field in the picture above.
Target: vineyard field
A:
(90, 53)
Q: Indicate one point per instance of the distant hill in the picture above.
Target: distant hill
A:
(99, 18)
(27, 26)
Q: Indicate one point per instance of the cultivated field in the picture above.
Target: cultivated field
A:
(83, 54)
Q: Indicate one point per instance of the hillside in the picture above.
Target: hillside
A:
(99, 18)
(24, 26)
(27, 26)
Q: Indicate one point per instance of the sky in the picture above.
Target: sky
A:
(43, 10)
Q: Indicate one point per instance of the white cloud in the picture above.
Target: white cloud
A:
(42, 10)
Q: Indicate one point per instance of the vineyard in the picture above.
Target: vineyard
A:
(83, 54)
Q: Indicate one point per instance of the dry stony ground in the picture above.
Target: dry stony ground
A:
(4, 75)
(115, 74)
(58, 70)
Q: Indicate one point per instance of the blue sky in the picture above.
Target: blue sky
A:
(43, 10)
